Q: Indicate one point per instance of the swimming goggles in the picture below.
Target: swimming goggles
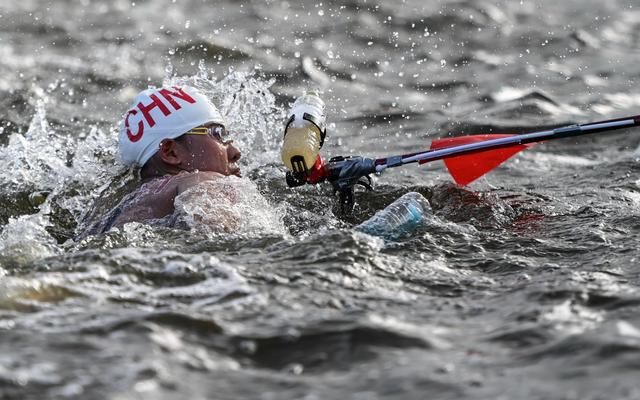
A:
(217, 132)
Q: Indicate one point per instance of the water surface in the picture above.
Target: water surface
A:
(522, 285)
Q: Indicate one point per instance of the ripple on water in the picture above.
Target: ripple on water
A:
(538, 292)
(115, 280)
(328, 344)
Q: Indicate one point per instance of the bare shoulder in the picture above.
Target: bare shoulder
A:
(186, 181)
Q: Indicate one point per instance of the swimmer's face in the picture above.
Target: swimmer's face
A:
(210, 152)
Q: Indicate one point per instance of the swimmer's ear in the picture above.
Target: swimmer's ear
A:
(170, 152)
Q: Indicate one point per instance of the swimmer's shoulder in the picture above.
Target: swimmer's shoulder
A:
(152, 200)
(185, 181)
(155, 198)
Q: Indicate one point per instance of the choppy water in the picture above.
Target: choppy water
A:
(523, 285)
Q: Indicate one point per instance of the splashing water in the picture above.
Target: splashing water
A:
(229, 205)
(41, 159)
(25, 239)
(63, 169)
(254, 120)
(95, 163)
(74, 171)
(37, 159)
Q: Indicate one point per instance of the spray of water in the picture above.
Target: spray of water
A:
(254, 120)
(37, 158)
(229, 205)
(58, 172)
(34, 162)
(25, 239)
(70, 173)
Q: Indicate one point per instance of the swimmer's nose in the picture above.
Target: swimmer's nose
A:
(233, 154)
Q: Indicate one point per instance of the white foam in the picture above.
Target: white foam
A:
(435, 335)
(229, 205)
(571, 318)
(548, 161)
(36, 159)
(626, 329)
(25, 239)
(613, 103)
(507, 93)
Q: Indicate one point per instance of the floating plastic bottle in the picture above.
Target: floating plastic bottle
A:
(400, 217)
(304, 133)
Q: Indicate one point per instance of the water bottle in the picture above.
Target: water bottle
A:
(304, 133)
(399, 217)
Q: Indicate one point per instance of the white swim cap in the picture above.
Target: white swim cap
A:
(163, 113)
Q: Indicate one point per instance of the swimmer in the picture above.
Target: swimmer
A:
(178, 138)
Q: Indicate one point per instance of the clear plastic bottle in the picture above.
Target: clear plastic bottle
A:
(304, 132)
(399, 217)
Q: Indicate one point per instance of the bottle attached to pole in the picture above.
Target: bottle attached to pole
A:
(304, 135)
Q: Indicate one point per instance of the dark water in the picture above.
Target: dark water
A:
(524, 285)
